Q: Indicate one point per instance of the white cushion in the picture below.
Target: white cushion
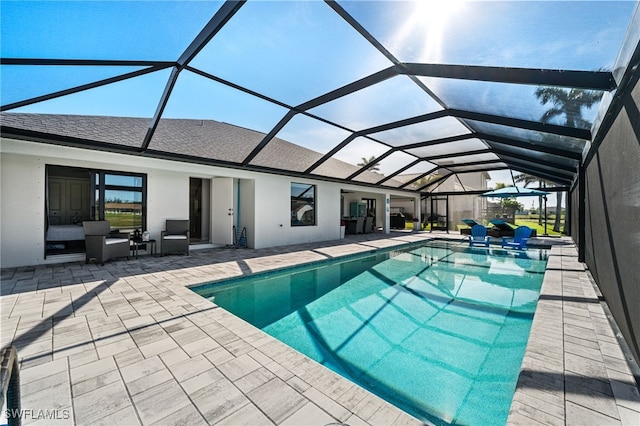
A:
(110, 241)
(175, 237)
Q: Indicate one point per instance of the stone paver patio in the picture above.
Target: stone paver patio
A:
(129, 343)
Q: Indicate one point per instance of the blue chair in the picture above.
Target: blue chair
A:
(478, 236)
(519, 240)
(503, 226)
(470, 222)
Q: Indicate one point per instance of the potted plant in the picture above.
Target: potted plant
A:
(343, 225)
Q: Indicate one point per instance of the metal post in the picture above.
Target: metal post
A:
(446, 200)
(545, 215)
(431, 216)
(582, 222)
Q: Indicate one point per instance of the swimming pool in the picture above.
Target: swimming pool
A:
(438, 330)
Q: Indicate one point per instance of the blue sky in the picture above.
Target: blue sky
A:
(293, 51)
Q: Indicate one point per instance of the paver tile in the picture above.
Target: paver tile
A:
(95, 382)
(125, 416)
(238, 367)
(385, 415)
(157, 347)
(92, 369)
(626, 395)
(43, 370)
(309, 414)
(202, 380)
(327, 404)
(187, 416)
(578, 415)
(218, 400)
(254, 379)
(141, 368)
(158, 402)
(115, 348)
(277, 399)
(173, 356)
(101, 403)
(190, 367)
(629, 417)
(248, 415)
(148, 381)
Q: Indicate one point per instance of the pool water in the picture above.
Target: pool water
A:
(437, 330)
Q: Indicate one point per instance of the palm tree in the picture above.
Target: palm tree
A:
(567, 102)
(528, 179)
(366, 161)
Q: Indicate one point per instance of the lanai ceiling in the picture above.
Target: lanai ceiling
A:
(416, 91)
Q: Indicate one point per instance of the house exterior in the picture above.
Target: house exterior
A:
(214, 197)
(459, 206)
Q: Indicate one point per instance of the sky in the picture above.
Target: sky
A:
(293, 51)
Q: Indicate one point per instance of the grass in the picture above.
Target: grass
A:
(530, 222)
(533, 224)
(124, 220)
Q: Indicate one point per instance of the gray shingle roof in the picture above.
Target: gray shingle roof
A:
(205, 139)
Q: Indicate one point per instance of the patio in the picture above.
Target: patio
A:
(129, 343)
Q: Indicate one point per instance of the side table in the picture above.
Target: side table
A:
(135, 246)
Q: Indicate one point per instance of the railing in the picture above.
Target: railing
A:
(10, 380)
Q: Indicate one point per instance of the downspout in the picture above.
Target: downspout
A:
(238, 208)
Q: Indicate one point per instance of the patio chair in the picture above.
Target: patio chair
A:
(478, 236)
(502, 226)
(175, 237)
(470, 222)
(101, 244)
(519, 240)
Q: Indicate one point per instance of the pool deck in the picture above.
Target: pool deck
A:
(129, 343)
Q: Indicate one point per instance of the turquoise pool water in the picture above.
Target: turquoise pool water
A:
(437, 330)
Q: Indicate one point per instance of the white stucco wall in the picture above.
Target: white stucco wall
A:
(246, 205)
(21, 210)
(273, 212)
(264, 209)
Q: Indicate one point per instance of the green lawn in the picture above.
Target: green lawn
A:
(124, 220)
(533, 224)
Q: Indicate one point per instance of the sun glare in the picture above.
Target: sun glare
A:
(426, 26)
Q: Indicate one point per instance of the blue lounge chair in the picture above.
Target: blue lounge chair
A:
(519, 240)
(502, 226)
(470, 222)
(478, 236)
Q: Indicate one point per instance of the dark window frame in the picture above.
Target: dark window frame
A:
(301, 215)
(99, 187)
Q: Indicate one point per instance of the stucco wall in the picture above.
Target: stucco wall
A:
(265, 198)
(612, 212)
(22, 210)
(273, 212)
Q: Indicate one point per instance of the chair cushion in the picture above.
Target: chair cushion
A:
(175, 237)
(110, 241)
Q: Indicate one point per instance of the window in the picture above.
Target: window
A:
(120, 198)
(303, 204)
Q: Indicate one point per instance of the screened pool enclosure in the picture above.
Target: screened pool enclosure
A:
(424, 91)
(399, 95)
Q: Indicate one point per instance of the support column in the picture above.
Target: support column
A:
(582, 223)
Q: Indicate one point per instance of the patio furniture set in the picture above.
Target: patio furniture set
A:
(102, 244)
